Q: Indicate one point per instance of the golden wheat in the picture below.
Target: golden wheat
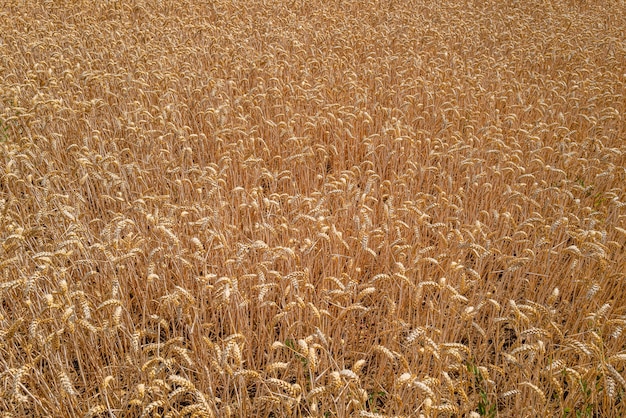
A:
(312, 208)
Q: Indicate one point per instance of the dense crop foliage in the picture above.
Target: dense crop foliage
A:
(312, 208)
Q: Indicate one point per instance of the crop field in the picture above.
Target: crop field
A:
(312, 208)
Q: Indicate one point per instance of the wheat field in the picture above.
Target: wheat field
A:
(312, 208)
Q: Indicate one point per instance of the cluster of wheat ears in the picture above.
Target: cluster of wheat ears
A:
(312, 208)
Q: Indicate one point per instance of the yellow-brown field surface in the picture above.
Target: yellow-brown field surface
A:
(312, 208)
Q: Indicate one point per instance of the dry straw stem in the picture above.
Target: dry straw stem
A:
(312, 208)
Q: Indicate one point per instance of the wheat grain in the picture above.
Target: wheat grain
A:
(536, 389)
(95, 411)
(66, 384)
